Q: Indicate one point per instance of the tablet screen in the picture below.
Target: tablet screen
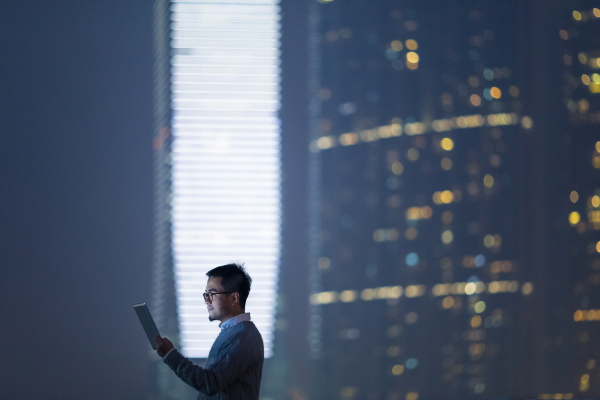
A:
(147, 322)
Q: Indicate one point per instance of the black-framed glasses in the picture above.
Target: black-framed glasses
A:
(208, 296)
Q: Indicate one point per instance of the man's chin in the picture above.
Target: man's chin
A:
(211, 319)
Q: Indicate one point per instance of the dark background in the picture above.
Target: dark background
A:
(75, 198)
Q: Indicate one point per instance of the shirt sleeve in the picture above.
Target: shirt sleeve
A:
(169, 352)
(234, 358)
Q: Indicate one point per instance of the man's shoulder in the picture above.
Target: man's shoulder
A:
(247, 328)
(243, 336)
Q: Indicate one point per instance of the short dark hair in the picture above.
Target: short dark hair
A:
(234, 278)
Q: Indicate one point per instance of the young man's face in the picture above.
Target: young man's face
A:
(221, 307)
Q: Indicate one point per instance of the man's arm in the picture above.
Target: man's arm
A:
(163, 345)
(237, 355)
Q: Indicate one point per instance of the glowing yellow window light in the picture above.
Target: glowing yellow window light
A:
(597, 147)
(412, 396)
(446, 197)
(479, 307)
(585, 79)
(584, 383)
(447, 144)
(576, 15)
(398, 369)
(412, 44)
(397, 168)
(348, 296)
(495, 92)
(595, 201)
(527, 288)
(447, 237)
(412, 57)
(488, 181)
(596, 12)
(527, 122)
(574, 218)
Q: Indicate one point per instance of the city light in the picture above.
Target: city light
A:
(397, 128)
(413, 291)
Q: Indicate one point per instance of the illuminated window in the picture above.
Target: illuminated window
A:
(479, 307)
(225, 157)
(397, 168)
(564, 35)
(398, 369)
(447, 144)
(574, 196)
(447, 237)
(488, 181)
(527, 122)
(396, 45)
(446, 164)
(495, 92)
(412, 44)
(412, 396)
(585, 79)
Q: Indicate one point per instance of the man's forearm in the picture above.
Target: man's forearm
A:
(199, 378)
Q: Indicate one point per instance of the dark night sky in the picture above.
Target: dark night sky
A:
(75, 197)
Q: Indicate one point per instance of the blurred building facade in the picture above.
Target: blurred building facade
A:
(580, 37)
(439, 189)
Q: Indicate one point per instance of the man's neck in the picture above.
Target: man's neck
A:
(225, 319)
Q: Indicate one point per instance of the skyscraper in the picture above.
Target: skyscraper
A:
(580, 36)
(217, 144)
(417, 290)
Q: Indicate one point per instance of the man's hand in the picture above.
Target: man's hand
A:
(163, 345)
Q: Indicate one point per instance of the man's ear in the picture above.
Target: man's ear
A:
(236, 297)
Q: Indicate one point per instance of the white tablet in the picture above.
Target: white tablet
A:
(147, 322)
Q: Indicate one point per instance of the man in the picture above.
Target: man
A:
(234, 366)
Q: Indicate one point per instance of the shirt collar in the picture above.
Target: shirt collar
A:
(235, 320)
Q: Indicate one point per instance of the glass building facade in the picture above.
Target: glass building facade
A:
(417, 289)
(580, 37)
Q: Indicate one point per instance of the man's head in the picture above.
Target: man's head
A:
(232, 283)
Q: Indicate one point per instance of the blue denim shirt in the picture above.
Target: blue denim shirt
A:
(233, 369)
